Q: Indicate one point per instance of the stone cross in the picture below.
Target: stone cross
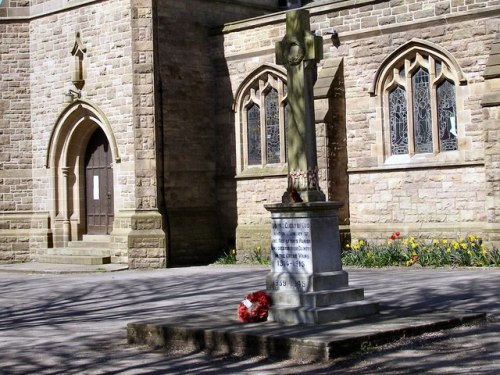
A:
(299, 51)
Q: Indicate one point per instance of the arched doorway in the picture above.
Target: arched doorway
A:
(81, 138)
(99, 185)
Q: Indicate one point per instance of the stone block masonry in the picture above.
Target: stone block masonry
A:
(445, 195)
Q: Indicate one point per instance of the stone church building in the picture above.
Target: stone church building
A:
(156, 130)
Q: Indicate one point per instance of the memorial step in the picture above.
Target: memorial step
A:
(303, 282)
(317, 299)
(320, 315)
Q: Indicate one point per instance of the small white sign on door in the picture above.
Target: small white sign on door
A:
(96, 188)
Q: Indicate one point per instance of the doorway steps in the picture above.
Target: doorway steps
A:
(92, 250)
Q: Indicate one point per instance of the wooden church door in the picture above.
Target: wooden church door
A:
(99, 185)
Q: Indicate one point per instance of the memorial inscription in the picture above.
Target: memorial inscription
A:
(291, 249)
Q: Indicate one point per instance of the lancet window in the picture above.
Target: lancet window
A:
(263, 118)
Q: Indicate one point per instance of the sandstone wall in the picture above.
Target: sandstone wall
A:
(434, 198)
(198, 185)
(16, 183)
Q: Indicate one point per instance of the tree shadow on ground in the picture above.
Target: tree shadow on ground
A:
(70, 324)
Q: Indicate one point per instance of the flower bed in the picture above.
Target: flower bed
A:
(402, 251)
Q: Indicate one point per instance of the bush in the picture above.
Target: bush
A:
(466, 251)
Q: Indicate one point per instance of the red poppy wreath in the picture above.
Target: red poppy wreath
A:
(254, 307)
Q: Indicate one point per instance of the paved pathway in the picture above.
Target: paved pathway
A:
(75, 323)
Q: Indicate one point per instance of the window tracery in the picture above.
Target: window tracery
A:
(261, 120)
(419, 96)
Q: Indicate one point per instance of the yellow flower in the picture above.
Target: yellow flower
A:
(413, 245)
(234, 251)
(448, 250)
(463, 245)
(361, 243)
(455, 245)
(473, 244)
(471, 237)
(405, 242)
(436, 242)
(413, 253)
(469, 252)
(445, 242)
(412, 239)
(348, 246)
(355, 247)
(484, 251)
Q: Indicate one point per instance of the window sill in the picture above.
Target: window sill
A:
(278, 170)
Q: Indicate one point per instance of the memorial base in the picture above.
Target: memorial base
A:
(306, 282)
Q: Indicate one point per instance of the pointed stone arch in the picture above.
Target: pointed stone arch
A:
(65, 160)
(413, 46)
(253, 76)
(250, 92)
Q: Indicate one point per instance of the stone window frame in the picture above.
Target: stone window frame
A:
(253, 91)
(413, 55)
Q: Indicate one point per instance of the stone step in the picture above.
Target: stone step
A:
(317, 299)
(319, 315)
(88, 245)
(72, 259)
(96, 238)
(79, 251)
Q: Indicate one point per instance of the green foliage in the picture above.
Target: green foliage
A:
(229, 257)
(469, 251)
(259, 257)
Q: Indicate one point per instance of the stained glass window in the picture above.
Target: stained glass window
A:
(263, 110)
(422, 121)
(272, 127)
(253, 135)
(447, 116)
(398, 121)
(420, 105)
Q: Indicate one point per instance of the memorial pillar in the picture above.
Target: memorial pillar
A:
(306, 282)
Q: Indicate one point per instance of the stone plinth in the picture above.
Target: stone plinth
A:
(306, 282)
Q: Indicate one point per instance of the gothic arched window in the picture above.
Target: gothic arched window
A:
(261, 121)
(418, 88)
(420, 97)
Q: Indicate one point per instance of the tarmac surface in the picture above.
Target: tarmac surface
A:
(61, 319)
